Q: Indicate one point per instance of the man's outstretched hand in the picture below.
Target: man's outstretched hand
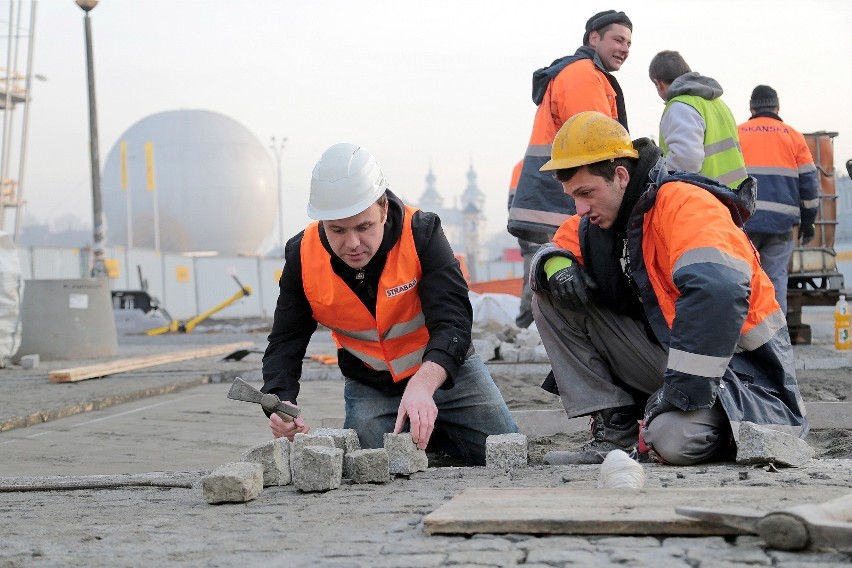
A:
(418, 403)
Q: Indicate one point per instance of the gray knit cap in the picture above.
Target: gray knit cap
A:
(763, 96)
(603, 19)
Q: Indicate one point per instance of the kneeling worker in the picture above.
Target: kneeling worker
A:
(382, 276)
(652, 305)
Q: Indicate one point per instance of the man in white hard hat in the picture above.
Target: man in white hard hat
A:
(383, 278)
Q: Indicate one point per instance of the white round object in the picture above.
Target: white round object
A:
(346, 181)
(213, 182)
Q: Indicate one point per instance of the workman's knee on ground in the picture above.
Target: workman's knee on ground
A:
(689, 438)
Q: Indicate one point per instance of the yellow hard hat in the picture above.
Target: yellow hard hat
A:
(586, 138)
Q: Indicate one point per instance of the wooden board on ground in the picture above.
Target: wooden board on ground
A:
(133, 363)
(649, 511)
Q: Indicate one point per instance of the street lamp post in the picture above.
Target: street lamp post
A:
(276, 152)
(98, 265)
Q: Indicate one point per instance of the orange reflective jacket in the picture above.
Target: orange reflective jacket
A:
(395, 339)
(570, 85)
(513, 185)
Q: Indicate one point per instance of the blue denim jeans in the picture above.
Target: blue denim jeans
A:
(467, 413)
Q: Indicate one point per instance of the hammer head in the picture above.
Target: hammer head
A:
(243, 391)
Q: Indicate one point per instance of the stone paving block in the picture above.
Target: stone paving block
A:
(485, 348)
(274, 456)
(235, 482)
(528, 337)
(506, 451)
(367, 466)
(344, 438)
(30, 361)
(300, 442)
(509, 352)
(403, 456)
(759, 444)
(321, 469)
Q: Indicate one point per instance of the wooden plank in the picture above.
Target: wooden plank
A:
(122, 365)
(649, 511)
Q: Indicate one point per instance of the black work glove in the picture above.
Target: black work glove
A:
(655, 406)
(807, 233)
(568, 286)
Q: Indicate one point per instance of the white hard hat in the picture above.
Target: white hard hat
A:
(346, 181)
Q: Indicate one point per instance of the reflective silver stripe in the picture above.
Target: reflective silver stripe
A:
(810, 203)
(698, 365)
(762, 332)
(773, 171)
(406, 327)
(377, 364)
(807, 168)
(714, 255)
(400, 364)
(535, 216)
(778, 208)
(539, 150)
(365, 335)
(732, 176)
(720, 146)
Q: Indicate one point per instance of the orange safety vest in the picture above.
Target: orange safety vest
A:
(395, 339)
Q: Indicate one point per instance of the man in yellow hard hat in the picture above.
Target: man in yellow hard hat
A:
(382, 276)
(652, 305)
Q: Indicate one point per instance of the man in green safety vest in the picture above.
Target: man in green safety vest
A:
(698, 133)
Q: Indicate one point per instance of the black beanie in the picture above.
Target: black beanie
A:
(603, 19)
(763, 96)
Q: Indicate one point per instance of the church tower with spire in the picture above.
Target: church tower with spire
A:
(431, 200)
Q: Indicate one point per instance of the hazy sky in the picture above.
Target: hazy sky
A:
(443, 83)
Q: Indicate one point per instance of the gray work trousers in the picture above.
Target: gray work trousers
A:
(775, 252)
(600, 358)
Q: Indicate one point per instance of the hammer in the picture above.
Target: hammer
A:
(826, 524)
(270, 403)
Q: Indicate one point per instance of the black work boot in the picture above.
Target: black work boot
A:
(612, 429)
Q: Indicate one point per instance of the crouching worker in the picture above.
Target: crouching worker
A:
(652, 305)
(382, 276)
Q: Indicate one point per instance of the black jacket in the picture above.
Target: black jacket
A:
(443, 296)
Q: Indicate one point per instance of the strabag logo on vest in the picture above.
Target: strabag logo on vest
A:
(402, 288)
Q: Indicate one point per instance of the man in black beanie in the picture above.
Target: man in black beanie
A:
(777, 156)
(569, 85)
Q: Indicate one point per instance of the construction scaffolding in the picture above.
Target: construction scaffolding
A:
(15, 89)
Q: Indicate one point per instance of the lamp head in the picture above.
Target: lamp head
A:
(87, 5)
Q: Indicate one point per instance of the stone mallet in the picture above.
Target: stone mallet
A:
(818, 525)
(243, 391)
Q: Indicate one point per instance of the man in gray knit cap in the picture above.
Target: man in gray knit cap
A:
(569, 85)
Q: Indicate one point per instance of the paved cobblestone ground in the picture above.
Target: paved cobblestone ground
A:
(372, 525)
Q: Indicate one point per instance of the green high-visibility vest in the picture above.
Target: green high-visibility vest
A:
(723, 158)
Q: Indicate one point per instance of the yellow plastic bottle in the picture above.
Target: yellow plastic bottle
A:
(842, 325)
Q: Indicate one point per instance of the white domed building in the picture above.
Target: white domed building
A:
(213, 181)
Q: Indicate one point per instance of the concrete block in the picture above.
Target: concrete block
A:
(403, 456)
(320, 469)
(274, 456)
(759, 444)
(367, 466)
(30, 361)
(235, 482)
(506, 451)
